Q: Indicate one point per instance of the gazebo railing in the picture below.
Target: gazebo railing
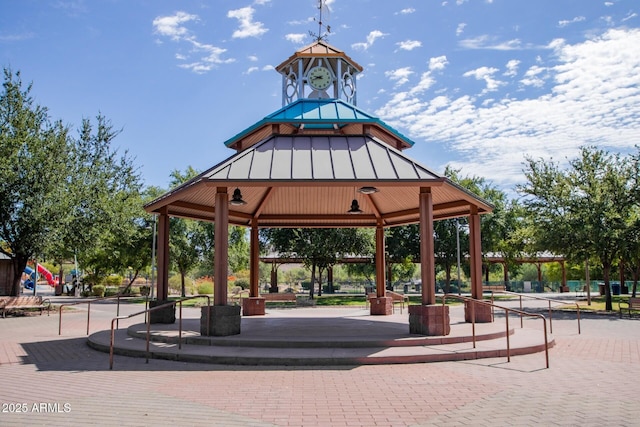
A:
(507, 312)
(148, 322)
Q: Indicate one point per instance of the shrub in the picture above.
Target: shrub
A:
(205, 288)
(243, 283)
(98, 290)
(112, 280)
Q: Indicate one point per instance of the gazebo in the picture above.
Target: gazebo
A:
(320, 161)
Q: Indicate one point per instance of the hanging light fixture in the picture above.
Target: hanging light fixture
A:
(236, 199)
(368, 190)
(355, 208)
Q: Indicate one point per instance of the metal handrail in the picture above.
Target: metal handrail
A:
(149, 310)
(550, 300)
(88, 302)
(507, 310)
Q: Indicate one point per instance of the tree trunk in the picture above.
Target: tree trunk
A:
(447, 278)
(19, 264)
(606, 269)
(182, 286)
(636, 275)
(313, 281)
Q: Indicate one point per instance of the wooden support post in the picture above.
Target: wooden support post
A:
(163, 255)
(380, 262)
(221, 238)
(475, 253)
(254, 268)
(427, 256)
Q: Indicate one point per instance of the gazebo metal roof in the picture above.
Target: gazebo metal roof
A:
(298, 175)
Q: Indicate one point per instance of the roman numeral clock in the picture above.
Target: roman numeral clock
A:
(319, 71)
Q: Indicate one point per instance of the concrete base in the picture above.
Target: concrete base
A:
(253, 306)
(224, 320)
(482, 312)
(382, 306)
(163, 315)
(431, 320)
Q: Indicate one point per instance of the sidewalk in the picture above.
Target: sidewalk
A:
(58, 380)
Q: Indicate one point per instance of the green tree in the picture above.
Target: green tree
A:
(320, 248)
(104, 223)
(186, 238)
(33, 177)
(584, 211)
(402, 246)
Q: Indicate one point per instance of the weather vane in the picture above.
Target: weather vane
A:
(322, 7)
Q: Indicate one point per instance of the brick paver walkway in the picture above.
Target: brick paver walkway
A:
(57, 380)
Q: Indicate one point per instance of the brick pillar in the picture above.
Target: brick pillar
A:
(432, 320)
(224, 320)
(382, 306)
(482, 312)
(253, 306)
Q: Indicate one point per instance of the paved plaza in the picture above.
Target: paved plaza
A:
(51, 379)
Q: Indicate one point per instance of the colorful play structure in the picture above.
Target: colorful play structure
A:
(31, 276)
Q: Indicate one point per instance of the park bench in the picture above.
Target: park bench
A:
(24, 303)
(236, 296)
(284, 297)
(492, 288)
(633, 304)
(397, 298)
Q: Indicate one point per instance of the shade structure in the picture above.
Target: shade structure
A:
(321, 163)
(311, 180)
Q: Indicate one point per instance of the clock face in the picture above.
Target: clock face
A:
(319, 78)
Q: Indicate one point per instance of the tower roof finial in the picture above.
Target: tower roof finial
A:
(323, 9)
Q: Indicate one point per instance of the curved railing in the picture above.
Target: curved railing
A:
(89, 301)
(149, 310)
(507, 311)
(550, 300)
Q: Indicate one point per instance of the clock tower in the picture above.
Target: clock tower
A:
(319, 71)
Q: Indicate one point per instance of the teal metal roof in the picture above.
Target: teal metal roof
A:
(319, 113)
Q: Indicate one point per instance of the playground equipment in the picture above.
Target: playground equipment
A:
(31, 276)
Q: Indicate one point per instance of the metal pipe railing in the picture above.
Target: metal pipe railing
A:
(88, 302)
(507, 311)
(550, 300)
(149, 310)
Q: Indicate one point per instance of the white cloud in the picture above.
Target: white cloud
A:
(460, 28)
(512, 68)
(399, 75)
(438, 63)
(486, 74)
(532, 76)
(248, 27)
(630, 15)
(594, 99)
(371, 38)
(406, 11)
(207, 55)
(252, 58)
(171, 26)
(564, 23)
(409, 44)
(297, 38)
(486, 42)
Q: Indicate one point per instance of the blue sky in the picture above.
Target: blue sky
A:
(476, 84)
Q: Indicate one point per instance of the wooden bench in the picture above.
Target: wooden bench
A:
(284, 297)
(236, 297)
(397, 298)
(24, 303)
(633, 304)
(492, 288)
